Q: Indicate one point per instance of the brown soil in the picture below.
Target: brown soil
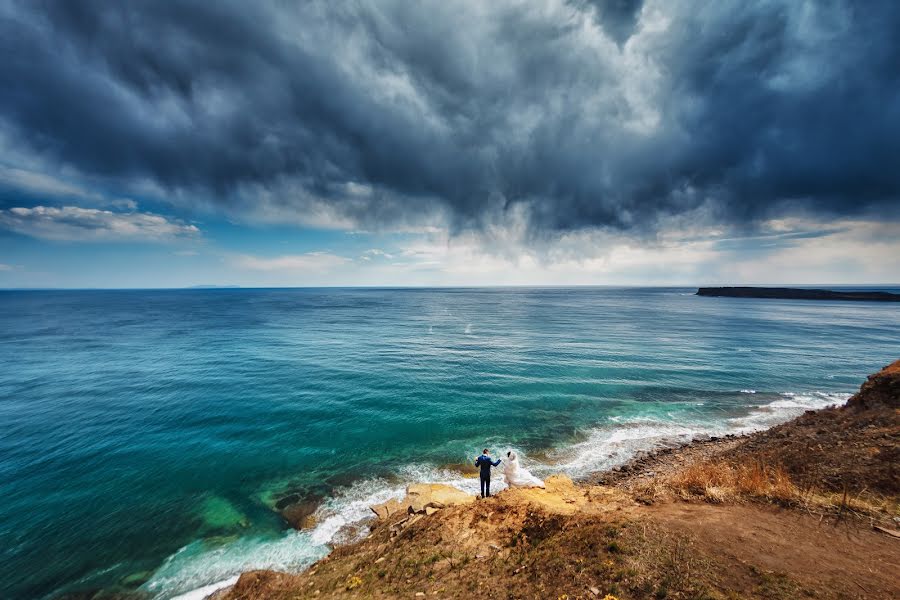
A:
(746, 517)
(573, 540)
(823, 558)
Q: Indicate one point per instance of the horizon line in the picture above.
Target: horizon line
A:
(430, 287)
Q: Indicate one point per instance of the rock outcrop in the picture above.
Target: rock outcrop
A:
(880, 390)
(423, 498)
(855, 447)
(388, 509)
(420, 496)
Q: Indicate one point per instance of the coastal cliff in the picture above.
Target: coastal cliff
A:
(854, 447)
(809, 508)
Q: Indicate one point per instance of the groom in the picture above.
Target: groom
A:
(484, 461)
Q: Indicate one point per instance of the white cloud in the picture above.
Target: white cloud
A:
(72, 223)
(857, 252)
(42, 184)
(291, 263)
(373, 252)
(780, 252)
(4, 267)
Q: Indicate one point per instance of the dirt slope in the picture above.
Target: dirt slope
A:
(589, 542)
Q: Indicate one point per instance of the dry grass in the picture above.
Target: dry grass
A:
(724, 482)
(670, 566)
(721, 482)
(862, 504)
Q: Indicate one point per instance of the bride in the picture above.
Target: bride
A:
(516, 475)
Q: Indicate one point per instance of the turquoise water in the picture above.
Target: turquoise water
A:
(146, 435)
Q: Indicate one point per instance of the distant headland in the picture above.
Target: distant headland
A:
(796, 294)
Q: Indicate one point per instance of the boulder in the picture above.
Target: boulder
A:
(387, 509)
(283, 503)
(437, 495)
(300, 514)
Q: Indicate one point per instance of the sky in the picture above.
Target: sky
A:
(448, 143)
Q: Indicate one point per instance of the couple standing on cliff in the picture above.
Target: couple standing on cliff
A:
(514, 474)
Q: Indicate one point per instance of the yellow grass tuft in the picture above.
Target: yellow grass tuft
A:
(722, 482)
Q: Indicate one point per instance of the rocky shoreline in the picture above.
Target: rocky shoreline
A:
(750, 508)
(667, 461)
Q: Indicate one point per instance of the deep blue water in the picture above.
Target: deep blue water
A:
(145, 435)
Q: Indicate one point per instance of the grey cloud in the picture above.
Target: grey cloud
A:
(588, 114)
(618, 18)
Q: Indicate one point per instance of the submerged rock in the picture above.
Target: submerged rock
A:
(283, 503)
(136, 579)
(465, 469)
(300, 514)
(219, 513)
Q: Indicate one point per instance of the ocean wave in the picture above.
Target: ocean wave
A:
(202, 592)
(611, 446)
(788, 406)
(204, 566)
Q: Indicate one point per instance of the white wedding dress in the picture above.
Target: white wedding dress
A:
(516, 475)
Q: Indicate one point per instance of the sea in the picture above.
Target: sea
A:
(147, 437)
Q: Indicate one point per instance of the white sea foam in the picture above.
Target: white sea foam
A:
(344, 514)
(202, 567)
(206, 590)
(211, 564)
(790, 405)
(611, 446)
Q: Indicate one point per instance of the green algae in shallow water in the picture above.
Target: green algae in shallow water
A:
(219, 513)
(136, 579)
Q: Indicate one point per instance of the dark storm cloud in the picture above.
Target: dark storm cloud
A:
(604, 113)
(618, 18)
